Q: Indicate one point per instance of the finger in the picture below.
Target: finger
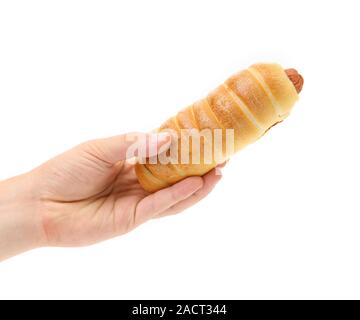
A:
(222, 165)
(162, 200)
(126, 146)
(210, 181)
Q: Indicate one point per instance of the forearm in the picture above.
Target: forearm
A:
(20, 224)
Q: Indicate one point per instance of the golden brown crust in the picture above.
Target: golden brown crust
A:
(277, 85)
(249, 90)
(250, 102)
(232, 117)
(147, 180)
(186, 120)
(166, 172)
(206, 119)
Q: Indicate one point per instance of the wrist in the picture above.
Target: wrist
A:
(20, 222)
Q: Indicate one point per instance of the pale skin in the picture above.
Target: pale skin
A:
(87, 195)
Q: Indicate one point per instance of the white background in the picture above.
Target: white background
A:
(284, 221)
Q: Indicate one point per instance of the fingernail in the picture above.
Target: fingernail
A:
(218, 171)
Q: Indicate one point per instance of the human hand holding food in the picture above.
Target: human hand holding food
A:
(94, 192)
(87, 195)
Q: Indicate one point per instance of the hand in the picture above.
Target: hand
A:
(91, 193)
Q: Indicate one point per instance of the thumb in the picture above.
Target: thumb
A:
(129, 145)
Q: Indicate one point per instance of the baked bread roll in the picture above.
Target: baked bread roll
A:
(249, 103)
